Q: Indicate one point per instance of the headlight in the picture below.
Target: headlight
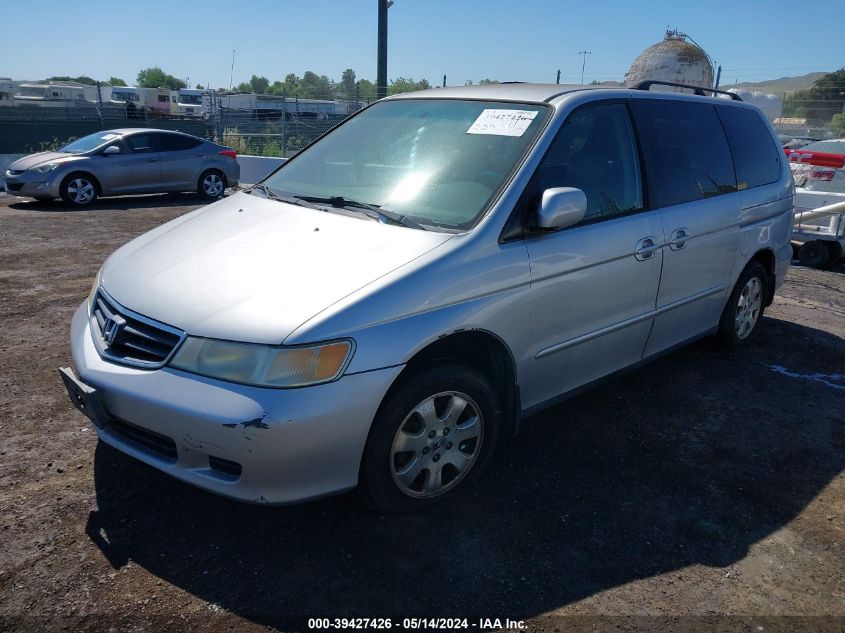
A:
(43, 169)
(262, 365)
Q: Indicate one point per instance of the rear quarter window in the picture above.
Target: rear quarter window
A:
(755, 154)
(686, 151)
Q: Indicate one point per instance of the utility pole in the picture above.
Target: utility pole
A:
(232, 69)
(444, 81)
(381, 74)
(584, 63)
(558, 76)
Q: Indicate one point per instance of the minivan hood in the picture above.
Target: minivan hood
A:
(251, 269)
(33, 160)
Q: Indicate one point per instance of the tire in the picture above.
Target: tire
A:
(834, 253)
(411, 462)
(746, 305)
(211, 184)
(814, 254)
(79, 190)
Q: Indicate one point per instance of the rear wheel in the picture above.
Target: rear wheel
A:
(432, 435)
(211, 184)
(814, 254)
(79, 190)
(744, 310)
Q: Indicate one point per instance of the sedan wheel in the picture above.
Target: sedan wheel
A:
(79, 191)
(212, 185)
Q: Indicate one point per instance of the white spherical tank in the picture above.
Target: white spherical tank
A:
(674, 59)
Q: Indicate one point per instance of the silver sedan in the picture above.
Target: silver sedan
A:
(125, 161)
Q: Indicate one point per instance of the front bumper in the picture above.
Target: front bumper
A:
(291, 444)
(29, 184)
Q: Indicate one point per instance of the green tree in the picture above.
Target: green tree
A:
(366, 90)
(243, 87)
(313, 86)
(155, 77)
(82, 79)
(116, 81)
(821, 102)
(403, 84)
(837, 125)
(290, 87)
(348, 89)
(259, 85)
(488, 82)
(199, 87)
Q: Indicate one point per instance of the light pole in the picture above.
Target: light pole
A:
(381, 73)
(584, 63)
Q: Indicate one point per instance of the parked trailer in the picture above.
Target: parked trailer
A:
(818, 235)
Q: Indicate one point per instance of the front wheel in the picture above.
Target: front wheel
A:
(211, 185)
(78, 190)
(741, 316)
(432, 436)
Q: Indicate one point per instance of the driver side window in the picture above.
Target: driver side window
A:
(595, 151)
(139, 143)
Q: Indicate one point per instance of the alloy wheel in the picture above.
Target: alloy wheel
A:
(436, 445)
(212, 184)
(80, 190)
(748, 308)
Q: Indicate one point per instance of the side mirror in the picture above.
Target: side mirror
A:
(111, 149)
(561, 207)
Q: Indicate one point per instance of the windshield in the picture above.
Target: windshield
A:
(193, 99)
(833, 147)
(87, 143)
(439, 162)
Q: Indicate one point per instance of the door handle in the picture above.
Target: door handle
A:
(679, 239)
(645, 249)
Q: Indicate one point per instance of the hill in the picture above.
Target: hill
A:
(779, 86)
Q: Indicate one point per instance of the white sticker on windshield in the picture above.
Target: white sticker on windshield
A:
(108, 137)
(502, 122)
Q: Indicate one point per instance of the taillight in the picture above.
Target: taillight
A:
(229, 152)
(821, 175)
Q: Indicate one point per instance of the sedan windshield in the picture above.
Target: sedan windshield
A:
(438, 162)
(87, 143)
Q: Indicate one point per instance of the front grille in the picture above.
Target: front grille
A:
(130, 338)
(14, 186)
(148, 440)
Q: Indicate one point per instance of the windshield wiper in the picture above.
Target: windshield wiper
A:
(370, 210)
(272, 195)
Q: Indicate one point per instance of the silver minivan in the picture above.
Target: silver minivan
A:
(382, 310)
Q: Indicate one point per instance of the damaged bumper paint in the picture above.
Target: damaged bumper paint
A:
(289, 444)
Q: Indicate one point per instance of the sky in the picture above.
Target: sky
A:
(507, 40)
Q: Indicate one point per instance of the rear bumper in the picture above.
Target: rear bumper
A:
(291, 444)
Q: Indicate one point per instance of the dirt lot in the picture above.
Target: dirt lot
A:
(705, 491)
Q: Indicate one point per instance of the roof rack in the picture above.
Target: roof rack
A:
(645, 85)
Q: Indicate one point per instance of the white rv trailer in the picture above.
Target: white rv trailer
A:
(49, 94)
(193, 103)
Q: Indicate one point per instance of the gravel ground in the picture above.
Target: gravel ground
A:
(705, 491)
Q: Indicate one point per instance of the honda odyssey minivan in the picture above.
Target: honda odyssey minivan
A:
(382, 310)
